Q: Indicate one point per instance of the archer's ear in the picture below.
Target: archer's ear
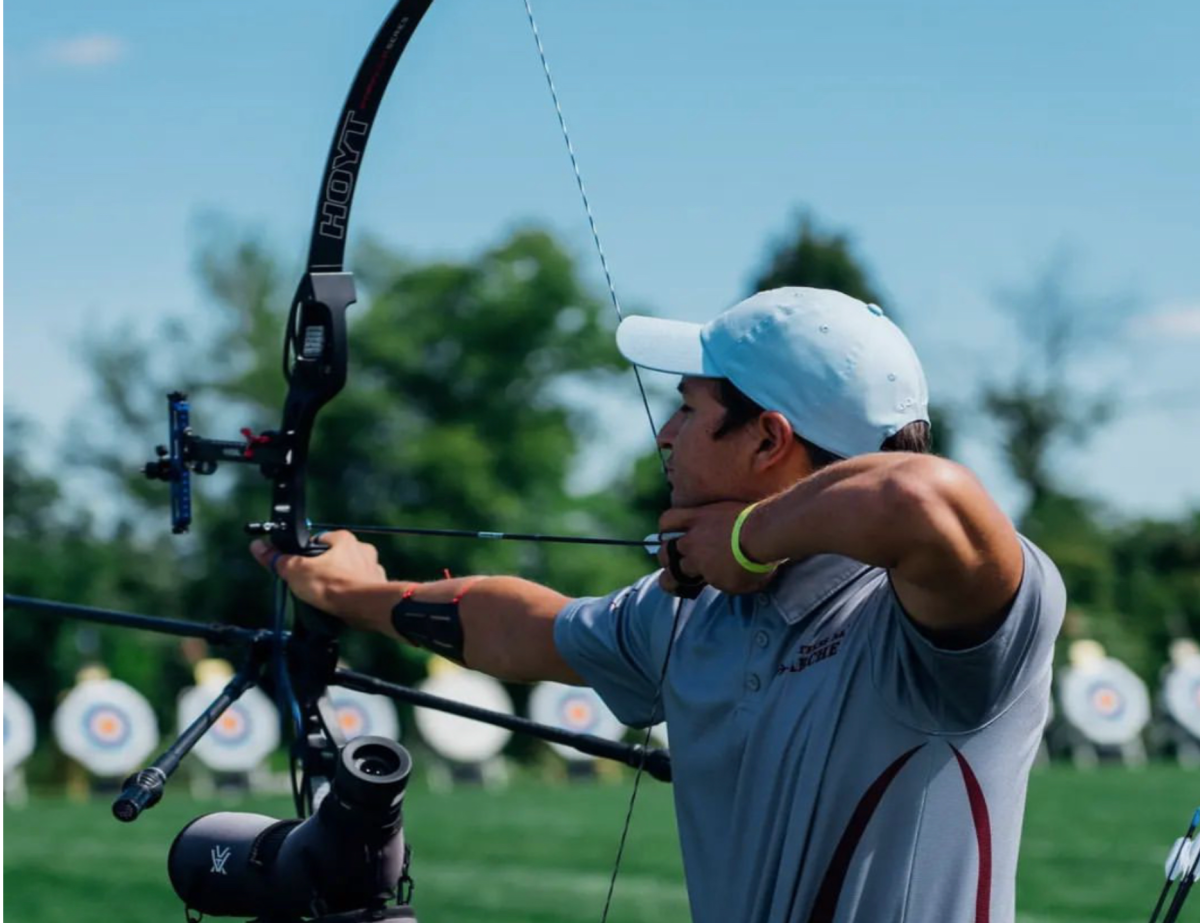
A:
(776, 437)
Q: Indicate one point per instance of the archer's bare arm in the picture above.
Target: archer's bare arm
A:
(954, 557)
(508, 623)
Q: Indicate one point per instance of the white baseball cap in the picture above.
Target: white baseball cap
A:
(842, 374)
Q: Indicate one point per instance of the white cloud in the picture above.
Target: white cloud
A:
(1172, 320)
(96, 50)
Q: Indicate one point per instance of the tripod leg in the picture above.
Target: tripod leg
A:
(144, 789)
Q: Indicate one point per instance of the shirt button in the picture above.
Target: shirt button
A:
(753, 682)
(764, 599)
(762, 639)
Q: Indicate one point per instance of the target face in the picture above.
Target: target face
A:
(460, 739)
(106, 726)
(1181, 695)
(1106, 701)
(19, 729)
(245, 734)
(361, 714)
(573, 708)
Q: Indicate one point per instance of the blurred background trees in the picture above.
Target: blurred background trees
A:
(473, 398)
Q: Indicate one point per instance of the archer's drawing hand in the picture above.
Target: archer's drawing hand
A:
(329, 581)
(705, 549)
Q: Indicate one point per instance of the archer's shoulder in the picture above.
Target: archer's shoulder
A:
(1041, 575)
(635, 602)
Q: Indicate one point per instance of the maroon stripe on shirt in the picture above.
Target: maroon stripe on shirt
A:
(983, 838)
(825, 906)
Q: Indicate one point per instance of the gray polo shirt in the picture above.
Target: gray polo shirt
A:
(830, 762)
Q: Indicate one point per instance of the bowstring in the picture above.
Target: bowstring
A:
(616, 303)
(587, 207)
(637, 778)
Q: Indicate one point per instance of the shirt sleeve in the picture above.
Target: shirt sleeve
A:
(617, 644)
(939, 689)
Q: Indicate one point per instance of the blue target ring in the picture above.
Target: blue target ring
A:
(579, 713)
(1106, 701)
(106, 726)
(353, 720)
(232, 728)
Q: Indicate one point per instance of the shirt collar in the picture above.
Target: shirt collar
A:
(802, 586)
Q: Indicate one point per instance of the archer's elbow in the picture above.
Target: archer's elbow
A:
(931, 496)
(952, 524)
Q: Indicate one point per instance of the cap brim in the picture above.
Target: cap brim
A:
(672, 346)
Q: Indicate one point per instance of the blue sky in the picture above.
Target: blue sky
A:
(963, 145)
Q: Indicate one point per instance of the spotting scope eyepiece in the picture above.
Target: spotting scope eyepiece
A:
(350, 855)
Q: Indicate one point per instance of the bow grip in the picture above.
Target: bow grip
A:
(315, 622)
(688, 587)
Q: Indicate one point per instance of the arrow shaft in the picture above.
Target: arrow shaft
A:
(494, 536)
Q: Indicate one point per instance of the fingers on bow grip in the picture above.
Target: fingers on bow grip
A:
(689, 587)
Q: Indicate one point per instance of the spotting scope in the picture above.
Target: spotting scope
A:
(348, 856)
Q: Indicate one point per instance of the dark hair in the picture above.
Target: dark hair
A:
(740, 410)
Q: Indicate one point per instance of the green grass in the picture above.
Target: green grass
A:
(1092, 851)
(1095, 843)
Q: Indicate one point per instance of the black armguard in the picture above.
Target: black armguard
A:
(433, 626)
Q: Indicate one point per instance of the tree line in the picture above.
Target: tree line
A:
(464, 409)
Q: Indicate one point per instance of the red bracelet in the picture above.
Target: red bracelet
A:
(408, 594)
(463, 592)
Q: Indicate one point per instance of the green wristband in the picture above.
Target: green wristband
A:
(735, 545)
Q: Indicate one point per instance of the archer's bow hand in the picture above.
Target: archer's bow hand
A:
(704, 551)
(333, 582)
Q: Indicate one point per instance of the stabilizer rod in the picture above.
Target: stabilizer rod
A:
(144, 789)
(657, 762)
(215, 634)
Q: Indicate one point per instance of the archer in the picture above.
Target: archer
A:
(849, 641)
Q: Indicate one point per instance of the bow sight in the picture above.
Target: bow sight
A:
(314, 362)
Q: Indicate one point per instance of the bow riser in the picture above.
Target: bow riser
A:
(316, 374)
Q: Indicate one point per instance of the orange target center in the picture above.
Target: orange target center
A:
(578, 713)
